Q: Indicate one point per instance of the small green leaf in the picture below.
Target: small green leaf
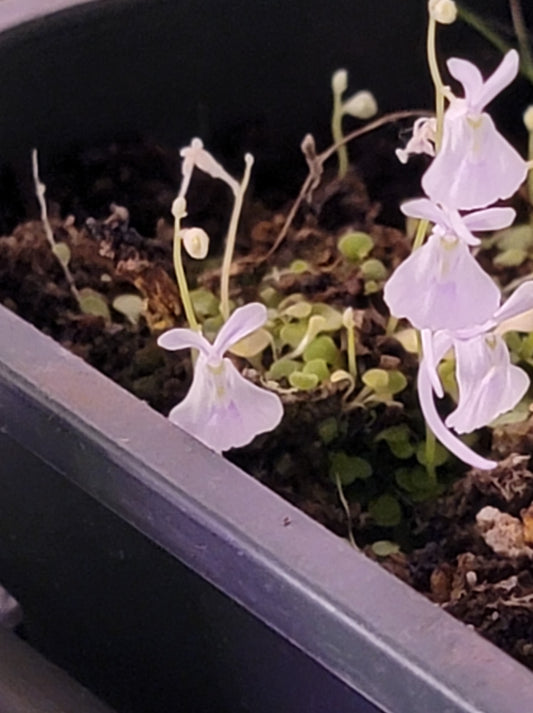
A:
(446, 371)
(355, 246)
(511, 258)
(304, 382)
(211, 326)
(92, 302)
(386, 511)
(317, 367)
(204, 302)
(374, 270)
(62, 253)
(299, 266)
(398, 438)
(332, 316)
(131, 306)
(348, 468)
(252, 344)
(441, 454)
(322, 347)
(517, 237)
(293, 333)
(385, 548)
(282, 369)
(371, 287)
(376, 379)
(270, 297)
(397, 381)
(520, 413)
(300, 310)
(328, 430)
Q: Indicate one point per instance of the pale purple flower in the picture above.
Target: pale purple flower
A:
(475, 165)
(222, 408)
(488, 383)
(440, 285)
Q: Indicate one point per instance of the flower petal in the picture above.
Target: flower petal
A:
(224, 410)
(489, 384)
(434, 346)
(468, 75)
(451, 442)
(489, 219)
(475, 167)
(441, 286)
(242, 322)
(423, 208)
(174, 339)
(519, 302)
(501, 78)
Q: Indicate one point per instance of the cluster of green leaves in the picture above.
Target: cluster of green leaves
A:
(514, 245)
(356, 246)
(387, 476)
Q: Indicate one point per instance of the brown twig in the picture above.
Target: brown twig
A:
(320, 159)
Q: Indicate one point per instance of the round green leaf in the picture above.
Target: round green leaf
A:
(385, 548)
(386, 511)
(304, 382)
(374, 270)
(282, 369)
(348, 468)
(322, 347)
(355, 246)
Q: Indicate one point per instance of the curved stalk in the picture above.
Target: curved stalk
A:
(232, 236)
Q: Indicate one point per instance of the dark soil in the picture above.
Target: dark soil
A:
(444, 553)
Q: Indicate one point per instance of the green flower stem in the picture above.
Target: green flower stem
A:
(436, 78)
(391, 326)
(336, 132)
(479, 24)
(530, 177)
(40, 191)
(349, 325)
(521, 33)
(431, 443)
(346, 508)
(352, 363)
(421, 231)
(232, 236)
(182, 280)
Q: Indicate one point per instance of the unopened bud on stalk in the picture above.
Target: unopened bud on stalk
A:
(443, 11)
(179, 208)
(195, 242)
(528, 118)
(362, 105)
(339, 81)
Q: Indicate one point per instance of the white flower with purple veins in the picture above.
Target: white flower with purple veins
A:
(222, 408)
(488, 383)
(440, 285)
(475, 165)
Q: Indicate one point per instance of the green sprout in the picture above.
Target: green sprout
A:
(362, 105)
(89, 301)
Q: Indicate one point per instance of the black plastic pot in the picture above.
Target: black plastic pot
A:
(154, 571)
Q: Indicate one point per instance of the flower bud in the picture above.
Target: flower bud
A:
(528, 118)
(179, 208)
(339, 81)
(443, 11)
(362, 105)
(196, 242)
